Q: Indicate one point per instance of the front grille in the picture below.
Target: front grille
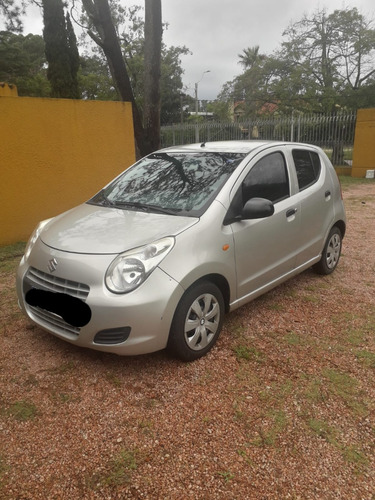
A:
(45, 281)
(50, 319)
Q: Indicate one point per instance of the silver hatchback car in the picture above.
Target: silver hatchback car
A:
(157, 257)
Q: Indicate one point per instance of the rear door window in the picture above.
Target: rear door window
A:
(308, 167)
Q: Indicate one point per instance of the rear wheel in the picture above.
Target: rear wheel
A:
(331, 253)
(197, 322)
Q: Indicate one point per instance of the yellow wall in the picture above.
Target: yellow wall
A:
(55, 154)
(8, 89)
(364, 143)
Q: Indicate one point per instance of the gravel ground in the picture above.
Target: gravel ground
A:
(283, 407)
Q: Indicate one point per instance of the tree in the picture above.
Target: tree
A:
(355, 46)
(94, 76)
(151, 108)
(250, 57)
(131, 29)
(74, 58)
(22, 62)
(95, 81)
(220, 110)
(12, 14)
(332, 52)
(104, 33)
(61, 51)
(333, 57)
(171, 86)
(325, 63)
(250, 89)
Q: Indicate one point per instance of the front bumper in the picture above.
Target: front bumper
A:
(125, 324)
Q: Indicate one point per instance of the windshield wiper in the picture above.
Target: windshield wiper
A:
(131, 204)
(146, 208)
(161, 210)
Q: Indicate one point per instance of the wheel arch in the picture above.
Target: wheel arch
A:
(341, 225)
(220, 282)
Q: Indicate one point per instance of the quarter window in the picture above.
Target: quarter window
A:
(267, 179)
(308, 167)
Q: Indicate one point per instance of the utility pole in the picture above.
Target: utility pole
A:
(197, 106)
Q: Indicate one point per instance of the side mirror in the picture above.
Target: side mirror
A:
(257, 208)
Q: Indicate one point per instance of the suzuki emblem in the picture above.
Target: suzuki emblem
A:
(52, 265)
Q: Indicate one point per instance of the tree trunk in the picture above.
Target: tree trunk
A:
(100, 14)
(153, 37)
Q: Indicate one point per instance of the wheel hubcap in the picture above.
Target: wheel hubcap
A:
(202, 321)
(333, 251)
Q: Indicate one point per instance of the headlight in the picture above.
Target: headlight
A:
(33, 238)
(132, 268)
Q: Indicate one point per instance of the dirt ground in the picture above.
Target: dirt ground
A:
(282, 408)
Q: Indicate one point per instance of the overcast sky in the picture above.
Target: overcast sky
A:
(216, 31)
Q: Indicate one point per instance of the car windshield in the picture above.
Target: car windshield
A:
(175, 183)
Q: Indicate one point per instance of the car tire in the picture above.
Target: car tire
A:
(197, 322)
(331, 253)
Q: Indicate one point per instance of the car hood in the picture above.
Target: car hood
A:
(103, 230)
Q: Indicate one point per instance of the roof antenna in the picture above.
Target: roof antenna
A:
(203, 144)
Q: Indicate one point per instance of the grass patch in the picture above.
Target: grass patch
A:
(146, 426)
(367, 358)
(10, 256)
(351, 454)
(12, 251)
(355, 337)
(243, 454)
(60, 369)
(343, 317)
(226, 475)
(276, 394)
(341, 383)
(346, 387)
(3, 467)
(314, 390)
(64, 397)
(22, 411)
(233, 323)
(347, 180)
(268, 437)
(246, 353)
(355, 457)
(313, 299)
(276, 307)
(293, 339)
(120, 468)
(323, 430)
(113, 379)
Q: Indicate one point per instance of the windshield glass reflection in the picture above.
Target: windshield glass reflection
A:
(178, 183)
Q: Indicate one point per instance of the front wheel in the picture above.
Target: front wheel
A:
(197, 322)
(331, 253)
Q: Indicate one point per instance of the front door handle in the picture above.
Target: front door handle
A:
(291, 212)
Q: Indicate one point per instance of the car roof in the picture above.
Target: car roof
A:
(221, 146)
(245, 146)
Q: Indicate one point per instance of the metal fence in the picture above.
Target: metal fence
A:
(334, 132)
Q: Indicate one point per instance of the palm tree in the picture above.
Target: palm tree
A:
(250, 57)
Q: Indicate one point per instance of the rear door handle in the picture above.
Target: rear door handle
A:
(291, 212)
